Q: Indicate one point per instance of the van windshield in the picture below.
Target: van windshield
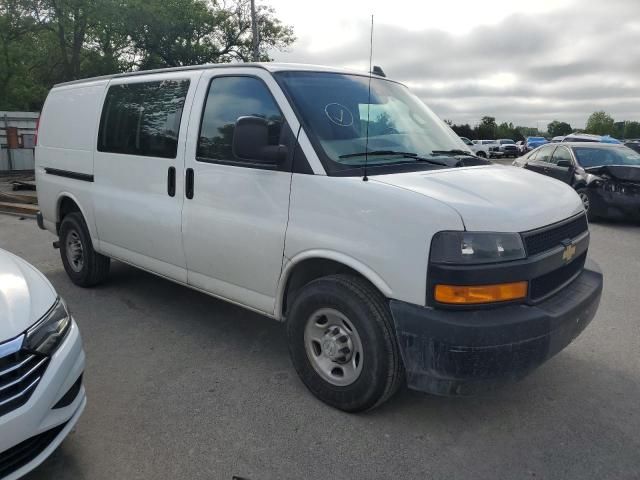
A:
(334, 109)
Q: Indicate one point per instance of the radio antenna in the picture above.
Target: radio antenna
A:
(366, 141)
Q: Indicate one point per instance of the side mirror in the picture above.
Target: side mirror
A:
(251, 142)
(564, 163)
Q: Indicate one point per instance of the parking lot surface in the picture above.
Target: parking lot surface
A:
(183, 386)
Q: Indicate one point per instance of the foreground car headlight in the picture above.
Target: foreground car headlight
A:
(469, 248)
(47, 334)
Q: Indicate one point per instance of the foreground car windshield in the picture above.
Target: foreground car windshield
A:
(334, 109)
(599, 157)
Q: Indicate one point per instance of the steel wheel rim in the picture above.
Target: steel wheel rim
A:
(75, 251)
(337, 359)
(585, 200)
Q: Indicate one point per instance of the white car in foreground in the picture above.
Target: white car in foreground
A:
(41, 366)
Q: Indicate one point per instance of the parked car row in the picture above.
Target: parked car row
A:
(606, 176)
(491, 148)
(504, 147)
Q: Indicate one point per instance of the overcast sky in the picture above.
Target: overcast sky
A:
(525, 61)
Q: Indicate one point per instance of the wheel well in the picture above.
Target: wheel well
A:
(311, 269)
(67, 205)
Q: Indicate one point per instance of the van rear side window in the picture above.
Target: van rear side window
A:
(143, 118)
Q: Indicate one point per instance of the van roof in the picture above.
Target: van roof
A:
(269, 66)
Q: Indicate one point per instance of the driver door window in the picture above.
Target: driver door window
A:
(561, 153)
(228, 99)
(544, 155)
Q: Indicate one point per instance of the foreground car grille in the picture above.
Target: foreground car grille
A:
(18, 456)
(550, 282)
(20, 373)
(541, 240)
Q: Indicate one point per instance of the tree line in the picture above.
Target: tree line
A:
(598, 123)
(43, 42)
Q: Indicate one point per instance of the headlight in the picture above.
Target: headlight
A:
(45, 336)
(467, 248)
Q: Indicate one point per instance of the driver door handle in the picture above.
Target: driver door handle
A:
(171, 181)
(188, 188)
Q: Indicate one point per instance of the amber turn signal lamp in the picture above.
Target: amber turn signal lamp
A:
(474, 294)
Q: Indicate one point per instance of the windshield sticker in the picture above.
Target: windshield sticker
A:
(339, 114)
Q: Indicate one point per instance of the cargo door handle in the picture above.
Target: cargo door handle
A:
(189, 183)
(171, 181)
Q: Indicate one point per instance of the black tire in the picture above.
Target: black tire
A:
(588, 204)
(94, 267)
(381, 372)
(481, 154)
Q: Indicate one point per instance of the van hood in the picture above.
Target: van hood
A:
(494, 197)
(25, 296)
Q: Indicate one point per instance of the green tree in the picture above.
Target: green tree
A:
(464, 130)
(191, 32)
(600, 123)
(43, 42)
(487, 129)
(557, 128)
(632, 130)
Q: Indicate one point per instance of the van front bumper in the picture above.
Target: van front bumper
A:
(464, 352)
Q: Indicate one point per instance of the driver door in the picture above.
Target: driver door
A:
(540, 163)
(563, 173)
(235, 211)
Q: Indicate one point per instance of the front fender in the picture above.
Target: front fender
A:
(323, 254)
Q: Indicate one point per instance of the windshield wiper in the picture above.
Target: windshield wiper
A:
(379, 152)
(394, 152)
(452, 152)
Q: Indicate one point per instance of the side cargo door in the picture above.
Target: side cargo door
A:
(236, 209)
(139, 165)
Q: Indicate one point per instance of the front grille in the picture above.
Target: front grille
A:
(20, 373)
(20, 455)
(541, 240)
(550, 282)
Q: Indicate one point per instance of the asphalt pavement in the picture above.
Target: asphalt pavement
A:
(184, 386)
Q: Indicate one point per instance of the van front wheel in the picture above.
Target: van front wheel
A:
(82, 263)
(342, 343)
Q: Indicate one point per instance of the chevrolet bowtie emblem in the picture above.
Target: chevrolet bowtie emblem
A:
(568, 253)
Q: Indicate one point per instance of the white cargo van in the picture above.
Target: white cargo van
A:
(327, 199)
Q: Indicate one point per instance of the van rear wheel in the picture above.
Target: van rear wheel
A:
(82, 263)
(342, 343)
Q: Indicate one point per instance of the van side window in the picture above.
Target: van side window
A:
(229, 98)
(143, 118)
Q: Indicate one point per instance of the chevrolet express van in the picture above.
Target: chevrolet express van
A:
(327, 199)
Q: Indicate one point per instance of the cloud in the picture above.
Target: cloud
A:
(529, 68)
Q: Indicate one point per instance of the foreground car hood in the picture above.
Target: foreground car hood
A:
(25, 295)
(628, 173)
(494, 197)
